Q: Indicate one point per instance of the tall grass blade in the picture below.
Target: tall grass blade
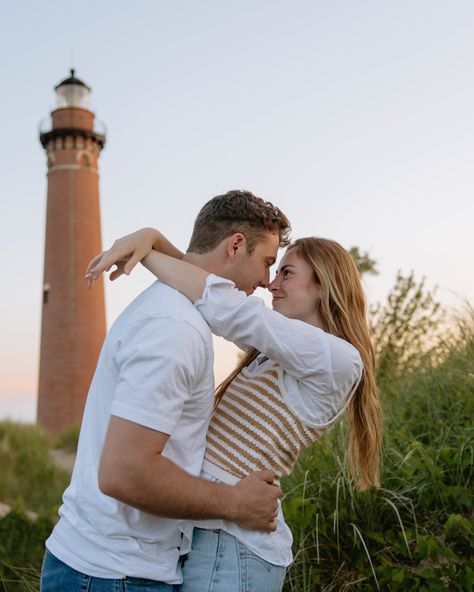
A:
(400, 522)
(356, 530)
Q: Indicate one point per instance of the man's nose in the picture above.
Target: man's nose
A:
(266, 280)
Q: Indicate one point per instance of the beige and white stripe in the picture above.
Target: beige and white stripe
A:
(252, 429)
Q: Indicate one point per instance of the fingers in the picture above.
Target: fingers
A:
(268, 526)
(102, 263)
(270, 478)
(261, 524)
(260, 507)
(264, 518)
(272, 519)
(94, 262)
(95, 268)
(266, 475)
(134, 259)
(107, 259)
(116, 273)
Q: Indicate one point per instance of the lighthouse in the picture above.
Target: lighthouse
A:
(73, 317)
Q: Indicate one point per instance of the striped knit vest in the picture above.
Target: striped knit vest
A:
(252, 429)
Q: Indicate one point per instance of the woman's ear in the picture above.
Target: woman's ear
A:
(236, 244)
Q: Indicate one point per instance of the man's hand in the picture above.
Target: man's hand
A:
(257, 501)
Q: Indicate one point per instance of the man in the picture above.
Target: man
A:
(145, 421)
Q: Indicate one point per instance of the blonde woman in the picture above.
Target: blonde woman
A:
(309, 361)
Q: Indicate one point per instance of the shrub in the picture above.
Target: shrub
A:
(32, 485)
(21, 550)
(415, 533)
(29, 478)
(68, 439)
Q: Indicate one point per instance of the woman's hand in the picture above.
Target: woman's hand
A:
(127, 251)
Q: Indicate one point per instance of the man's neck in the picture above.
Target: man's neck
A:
(211, 262)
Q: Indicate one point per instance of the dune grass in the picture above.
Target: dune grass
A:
(416, 532)
(32, 486)
(29, 479)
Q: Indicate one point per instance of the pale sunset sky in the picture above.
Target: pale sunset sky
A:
(355, 118)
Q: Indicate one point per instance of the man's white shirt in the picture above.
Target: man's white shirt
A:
(155, 369)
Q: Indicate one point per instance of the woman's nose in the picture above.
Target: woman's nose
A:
(273, 284)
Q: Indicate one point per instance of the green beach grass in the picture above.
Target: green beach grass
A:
(416, 532)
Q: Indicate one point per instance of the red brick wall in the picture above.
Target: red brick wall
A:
(73, 117)
(73, 319)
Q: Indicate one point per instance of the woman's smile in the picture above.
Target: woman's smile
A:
(295, 292)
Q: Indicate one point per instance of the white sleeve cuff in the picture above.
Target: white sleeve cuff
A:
(211, 282)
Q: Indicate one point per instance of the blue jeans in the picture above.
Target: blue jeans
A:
(56, 576)
(218, 562)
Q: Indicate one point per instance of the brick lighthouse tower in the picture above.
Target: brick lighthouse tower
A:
(73, 317)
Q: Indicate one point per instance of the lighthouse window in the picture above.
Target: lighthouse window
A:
(46, 288)
(84, 160)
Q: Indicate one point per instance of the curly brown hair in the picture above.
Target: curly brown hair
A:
(237, 211)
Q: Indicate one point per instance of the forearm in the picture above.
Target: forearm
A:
(163, 245)
(160, 487)
(188, 279)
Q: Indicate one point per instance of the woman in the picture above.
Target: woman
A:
(308, 362)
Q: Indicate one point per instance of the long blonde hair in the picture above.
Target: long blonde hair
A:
(342, 311)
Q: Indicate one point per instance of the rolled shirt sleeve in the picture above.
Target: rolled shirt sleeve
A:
(159, 360)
